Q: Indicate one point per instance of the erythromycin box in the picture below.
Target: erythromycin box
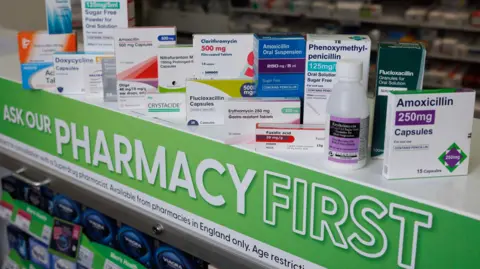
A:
(428, 133)
(323, 53)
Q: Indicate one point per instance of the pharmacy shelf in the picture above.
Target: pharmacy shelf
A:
(385, 20)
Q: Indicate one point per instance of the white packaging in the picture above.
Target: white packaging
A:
(428, 133)
(167, 106)
(290, 137)
(136, 54)
(100, 18)
(223, 56)
(175, 66)
(71, 74)
(243, 114)
(323, 53)
(206, 98)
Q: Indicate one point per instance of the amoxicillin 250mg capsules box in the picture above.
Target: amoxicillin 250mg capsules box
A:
(243, 114)
(428, 133)
(223, 56)
(206, 98)
(323, 53)
(289, 137)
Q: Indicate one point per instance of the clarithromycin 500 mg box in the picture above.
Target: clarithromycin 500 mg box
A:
(223, 56)
(206, 98)
(400, 67)
(428, 133)
(243, 114)
(323, 53)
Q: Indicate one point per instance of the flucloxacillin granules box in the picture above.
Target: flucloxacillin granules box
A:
(428, 133)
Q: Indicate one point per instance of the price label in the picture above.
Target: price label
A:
(85, 257)
(6, 211)
(110, 265)
(46, 233)
(22, 221)
(10, 264)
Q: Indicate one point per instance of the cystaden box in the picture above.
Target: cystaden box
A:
(323, 53)
(136, 55)
(59, 16)
(35, 50)
(243, 114)
(279, 65)
(428, 133)
(400, 67)
(290, 137)
(100, 18)
(223, 56)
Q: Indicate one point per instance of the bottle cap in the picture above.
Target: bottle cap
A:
(349, 70)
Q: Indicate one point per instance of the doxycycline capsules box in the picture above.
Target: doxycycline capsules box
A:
(279, 65)
(428, 133)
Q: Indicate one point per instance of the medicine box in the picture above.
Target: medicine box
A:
(77, 72)
(100, 18)
(400, 67)
(206, 98)
(175, 66)
(243, 114)
(428, 133)
(136, 55)
(35, 50)
(289, 137)
(223, 56)
(39, 254)
(59, 16)
(279, 65)
(167, 106)
(323, 53)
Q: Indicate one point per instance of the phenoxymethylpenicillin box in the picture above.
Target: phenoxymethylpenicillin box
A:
(223, 56)
(400, 67)
(279, 65)
(100, 18)
(323, 53)
(290, 137)
(36, 50)
(243, 114)
(428, 133)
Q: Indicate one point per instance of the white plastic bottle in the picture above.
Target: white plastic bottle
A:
(347, 119)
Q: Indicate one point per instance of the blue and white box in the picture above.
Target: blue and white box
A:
(59, 16)
(39, 254)
(279, 65)
(57, 262)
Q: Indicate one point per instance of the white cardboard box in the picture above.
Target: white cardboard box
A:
(289, 137)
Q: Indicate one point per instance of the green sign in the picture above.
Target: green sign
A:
(281, 214)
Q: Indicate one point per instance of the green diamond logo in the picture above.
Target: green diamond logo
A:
(453, 157)
(357, 38)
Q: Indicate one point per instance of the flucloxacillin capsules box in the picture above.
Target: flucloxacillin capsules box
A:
(323, 53)
(428, 133)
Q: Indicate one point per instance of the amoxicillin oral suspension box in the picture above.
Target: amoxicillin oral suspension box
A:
(428, 133)
(35, 50)
(100, 18)
(290, 137)
(323, 53)
(59, 16)
(279, 65)
(175, 66)
(243, 114)
(223, 56)
(400, 67)
(206, 98)
(136, 54)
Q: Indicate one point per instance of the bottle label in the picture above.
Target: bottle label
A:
(348, 138)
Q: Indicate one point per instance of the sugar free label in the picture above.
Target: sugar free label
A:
(383, 91)
(85, 257)
(110, 265)
(23, 220)
(347, 140)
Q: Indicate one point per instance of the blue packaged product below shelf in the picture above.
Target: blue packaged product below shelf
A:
(18, 241)
(39, 254)
(67, 209)
(168, 257)
(41, 198)
(99, 228)
(135, 244)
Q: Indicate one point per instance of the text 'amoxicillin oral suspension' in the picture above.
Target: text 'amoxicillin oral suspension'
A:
(400, 67)
(100, 18)
(223, 56)
(323, 54)
(35, 50)
(428, 133)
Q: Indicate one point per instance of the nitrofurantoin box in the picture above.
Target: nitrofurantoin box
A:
(290, 137)
(243, 114)
(206, 98)
(59, 16)
(223, 56)
(100, 18)
(74, 72)
(323, 53)
(136, 55)
(35, 50)
(400, 67)
(279, 65)
(175, 66)
(428, 133)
